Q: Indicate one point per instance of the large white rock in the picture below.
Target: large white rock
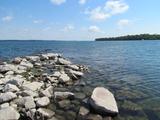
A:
(77, 73)
(32, 86)
(5, 97)
(45, 112)
(9, 113)
(74, 67)
(63, 95)
(63, 61)
(103, 101)
(10, 88)
(33, 58)
(42, 102)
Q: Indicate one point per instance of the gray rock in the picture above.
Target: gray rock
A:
(80, 95)
(74, 67)
(47, 92)
(103, 101)
(45, 112)
(64, 103)
(63, 61)
(9, 113)
(5, 97)
(26, 63)
(29, 93)
(63, 95)
(83, 111)
(27, 102)
(10, 88)
(17, 60)
(9, 73)
(31, 114)
(77, 73)
(33, 58)
(33, 86)
(64, 78)
(1, 76)
(94, 117)
(42, 102)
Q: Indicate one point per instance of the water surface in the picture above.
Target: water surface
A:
(130, 69)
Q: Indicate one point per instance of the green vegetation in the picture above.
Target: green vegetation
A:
(132, 37)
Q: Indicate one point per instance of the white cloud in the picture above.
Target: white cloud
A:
(82, 1)
(94, 29)
(68, 28)
(116, 6)
(58, 2)
(111, 7)
(37, 21)
(123, 23)
(7, 18)
(98, 14)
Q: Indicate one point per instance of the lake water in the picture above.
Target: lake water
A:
(129, 69)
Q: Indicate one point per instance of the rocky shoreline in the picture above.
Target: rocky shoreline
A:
(47, 87)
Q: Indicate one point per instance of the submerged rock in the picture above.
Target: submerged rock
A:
(63, 95)
(103, 101)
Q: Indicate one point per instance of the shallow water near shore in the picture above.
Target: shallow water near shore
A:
(129, 69)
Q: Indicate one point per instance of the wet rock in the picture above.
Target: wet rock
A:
(9, 113)
(74, 67)
(94, 117)
(70, 115)
(5, 97)
(83, 111)
(47, 92)
(33, 86)
(76, 73)
(63, 61)
(53, 118)
(42, 102)
(103, 101)
(64, 103)
(80, 95)
(10, 88)
(63, 95)
(46, 113)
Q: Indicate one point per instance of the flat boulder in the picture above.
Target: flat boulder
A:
(10, 88)
(63, 61)
(33, 86)
(9, 113)
(103, 101)
(5, 97)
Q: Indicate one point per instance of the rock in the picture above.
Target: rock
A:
(4, 105)
(63, 61)
(33, 86)
(49, 56)
(42, 102)
(31, 114)
(80, 95)
(63, 95)
(27, 102)
(10, 88)
(29, 93)
(33, 58)
(77, 73)
(64, 103)
(103, 101)
(74, 67)
(83, 111)
(5, 97)
(9, 113)
(47, 92)
(1, 76)
(9, 73)
(57, 74)
(17, 80)
(26, 63)
(64, 78)
(17, 60)
(94, 117)
(45, 112)
(37, 64)
(7, 67)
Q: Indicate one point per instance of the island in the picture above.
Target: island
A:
(131, 37)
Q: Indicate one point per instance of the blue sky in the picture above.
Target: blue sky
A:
(77, 19)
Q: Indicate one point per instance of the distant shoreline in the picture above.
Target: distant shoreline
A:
(131, 38)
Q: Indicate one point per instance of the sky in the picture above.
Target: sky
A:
(77, 19)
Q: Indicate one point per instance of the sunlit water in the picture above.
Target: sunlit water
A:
(130, 69)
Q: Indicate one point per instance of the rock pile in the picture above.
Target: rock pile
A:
(34, 87)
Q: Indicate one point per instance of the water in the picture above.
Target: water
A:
(130, 69)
